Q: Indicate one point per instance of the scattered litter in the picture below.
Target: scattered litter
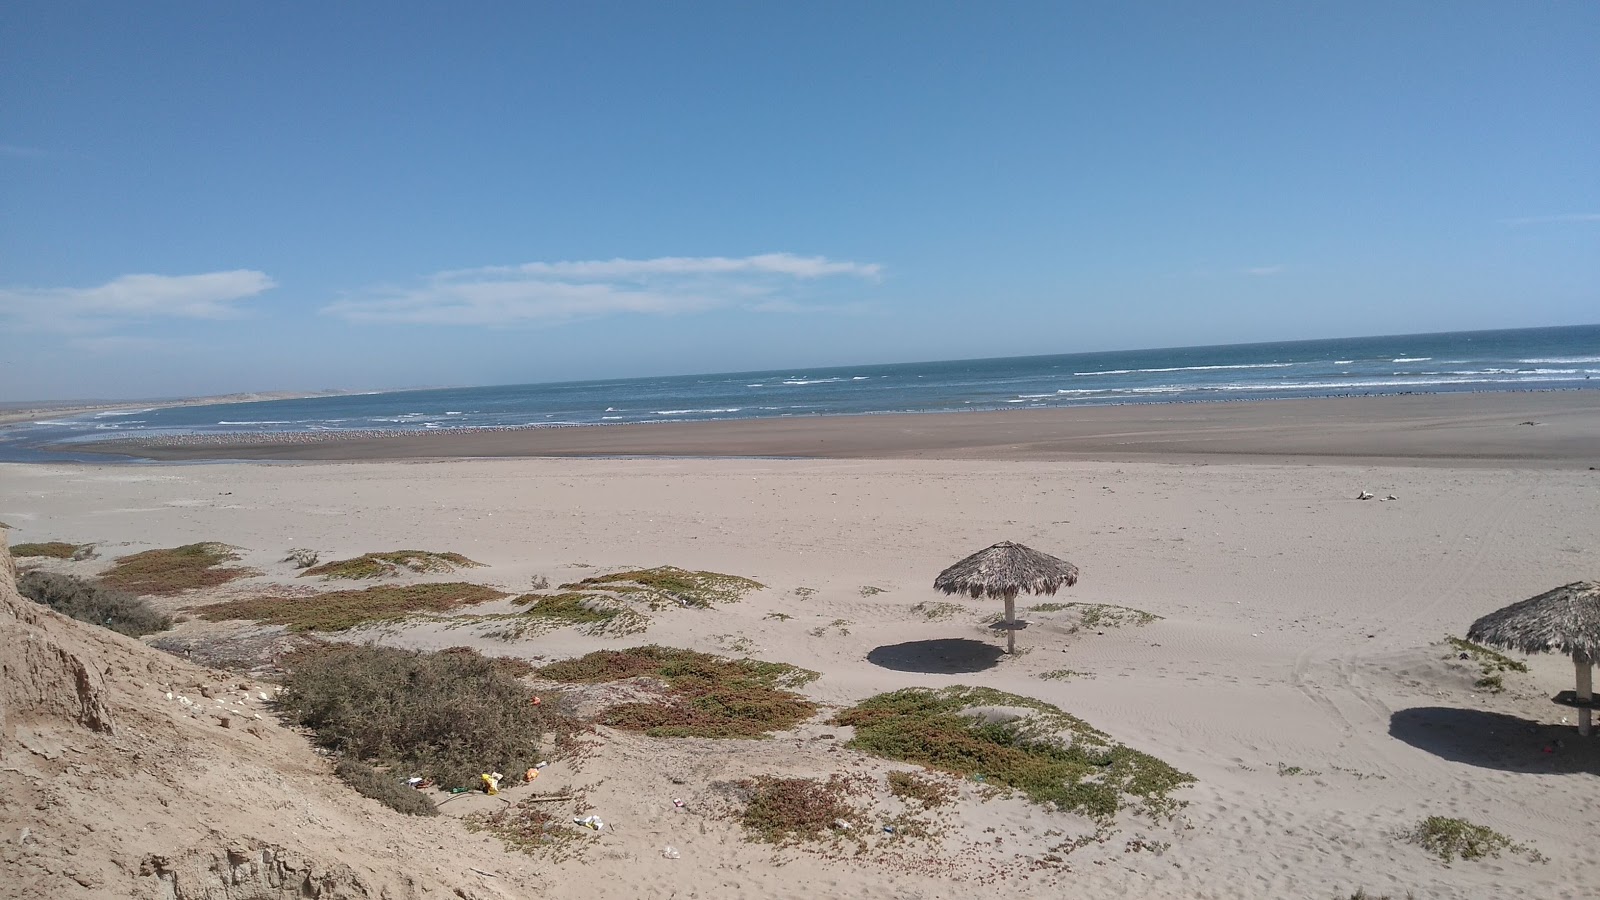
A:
(536, 700)
(169, 695)
(541, 763)
(1364, 495)
(888, 829)
(1391, 497)
(529, 776)
(594, 822)
(670, 852)
(677, 802)
(414, 780)
(842, 825)
(491, 782)
(262, 695)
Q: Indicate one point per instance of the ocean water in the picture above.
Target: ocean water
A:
(1513, 360)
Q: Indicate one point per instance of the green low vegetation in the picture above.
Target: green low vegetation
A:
(1492, 664)
(340, 610)
(934, 610)
(1052, 757)
(449, 716)
(665, 585)
(384, 788)
(119, 611)
(927, 791)
(705, 696)
(1101, 615)
(1064, 674)
(868, 590)
(379, 565)
(840, 625)
(790, 810)
(591, 613)
(47, 550)
(1449, 838)
(174, 570)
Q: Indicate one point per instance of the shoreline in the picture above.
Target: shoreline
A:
(1546, 429)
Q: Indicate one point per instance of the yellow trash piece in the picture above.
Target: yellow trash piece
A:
(491, 782)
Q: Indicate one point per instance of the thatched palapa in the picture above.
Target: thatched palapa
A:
(1004, 570)
(1565, 620)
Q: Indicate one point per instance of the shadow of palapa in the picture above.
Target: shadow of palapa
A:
(945, 656)
(1493, 740)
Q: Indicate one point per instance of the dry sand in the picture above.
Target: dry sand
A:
(1296, 670)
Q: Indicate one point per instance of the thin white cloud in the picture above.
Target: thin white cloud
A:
(211, 295)
(1263, 271)
(17, 150)
(1565, 218)
(559, 291)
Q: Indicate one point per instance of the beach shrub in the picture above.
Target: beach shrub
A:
(384, 788)
(927, 791)
(1100, 615)
(669, 584)
(788, 810)
(341, 610)
(46, 550)
(449, 716)
(704, 696)
(377, 565)
(173, 570)
(1051, 757)
(1491, 664)
(119, 611)
(1448, 838)
(592, 613)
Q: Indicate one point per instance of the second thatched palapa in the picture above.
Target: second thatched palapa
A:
(1564, 620)
(1003, 571)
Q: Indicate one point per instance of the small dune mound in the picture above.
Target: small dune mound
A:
(396, 562)
(670, 585)
(49, 550)
(342, 610)
(701, 695)
(175, 570)
(1018, 742)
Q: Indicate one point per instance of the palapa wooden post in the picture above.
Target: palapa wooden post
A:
(1585, 669)
(1011, 622)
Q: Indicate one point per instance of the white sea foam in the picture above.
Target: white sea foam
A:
(250, 422)
(1562, 360)
(1411, 359)
(812, 380)
(112, 413)
(1190, 369)
(690, 412)
(1343, 362)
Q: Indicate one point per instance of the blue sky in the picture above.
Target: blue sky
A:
(207, 198)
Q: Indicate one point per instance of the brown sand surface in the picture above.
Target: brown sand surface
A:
(1545, 429)
(1297, 669)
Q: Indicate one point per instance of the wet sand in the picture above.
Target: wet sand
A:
(1557, 429)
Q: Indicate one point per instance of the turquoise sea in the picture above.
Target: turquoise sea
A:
(1513, 360)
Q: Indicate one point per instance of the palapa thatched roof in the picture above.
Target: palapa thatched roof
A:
(1566, 620)
(1007, 568)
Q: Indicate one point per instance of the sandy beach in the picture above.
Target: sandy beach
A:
(1296, 669)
